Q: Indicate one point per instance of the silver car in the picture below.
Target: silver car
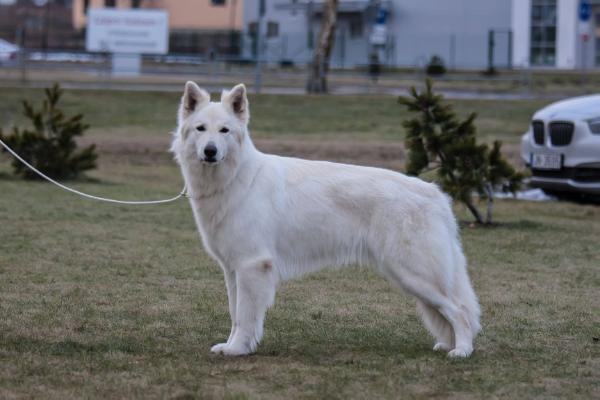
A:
(8, 52)
(562, 146)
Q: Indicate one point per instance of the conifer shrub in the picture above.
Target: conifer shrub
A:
(438, 141)
(435, 66)
(49, 144)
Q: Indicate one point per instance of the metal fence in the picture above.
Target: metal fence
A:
(278, 72)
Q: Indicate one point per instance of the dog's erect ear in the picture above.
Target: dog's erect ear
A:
(237, 101)
(193, 98)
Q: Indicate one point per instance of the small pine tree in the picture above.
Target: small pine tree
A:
(436, 139)
(435, 66)
(50, 146)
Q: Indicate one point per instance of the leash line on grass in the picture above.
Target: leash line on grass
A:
(89, 196)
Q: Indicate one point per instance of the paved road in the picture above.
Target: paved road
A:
(289, 90)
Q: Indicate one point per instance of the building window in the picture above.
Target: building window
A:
(272, 29)
(136, 3)
(86, 5)
(218, 2)
(543, 32)
(252, 28)
(110, 3)
(356, 26)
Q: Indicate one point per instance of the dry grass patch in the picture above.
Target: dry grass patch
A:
(107, 301)
(103, 301)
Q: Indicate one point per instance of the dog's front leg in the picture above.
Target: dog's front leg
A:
(231, 284)
(256, 284)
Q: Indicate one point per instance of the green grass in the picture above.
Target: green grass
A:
(109, 301)
(380, 117)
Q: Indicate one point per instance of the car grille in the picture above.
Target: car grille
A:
(561, 133)
(588, 175)
(538, 131)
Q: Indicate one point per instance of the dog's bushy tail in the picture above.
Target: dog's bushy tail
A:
(463, 290)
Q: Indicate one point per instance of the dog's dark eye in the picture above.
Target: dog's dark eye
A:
(224, 130)
(201, 128)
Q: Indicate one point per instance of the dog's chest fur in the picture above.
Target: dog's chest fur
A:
(225, 218)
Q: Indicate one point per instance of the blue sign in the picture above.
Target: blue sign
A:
(585, 10)
(381, 16)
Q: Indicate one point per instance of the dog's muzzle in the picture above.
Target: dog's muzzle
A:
(210, 152)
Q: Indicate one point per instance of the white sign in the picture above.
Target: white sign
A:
(127, 31)
(379, 35)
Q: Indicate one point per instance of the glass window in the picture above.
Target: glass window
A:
(272, 29)
(543, 32)
(253, 28)
(356, 26)
(218, 2)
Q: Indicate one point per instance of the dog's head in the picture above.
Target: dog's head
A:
(210, 132)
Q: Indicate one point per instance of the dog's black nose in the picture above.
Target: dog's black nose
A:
(210, 151)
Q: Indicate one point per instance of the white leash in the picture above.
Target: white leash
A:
(89, 196)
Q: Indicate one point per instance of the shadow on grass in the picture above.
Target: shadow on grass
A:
(336, 342)
(520, 225)
(6, 176)
(70, 348)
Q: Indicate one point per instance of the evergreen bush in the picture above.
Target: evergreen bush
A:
(437, 140)
(436, 66)
(50, 144)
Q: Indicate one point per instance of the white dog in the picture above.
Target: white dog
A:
(266, 218)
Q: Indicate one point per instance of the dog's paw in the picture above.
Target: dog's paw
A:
(460, 353)
(218, 348)
(439, 346)
(229, 350)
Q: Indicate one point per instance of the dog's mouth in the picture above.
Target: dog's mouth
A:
(210, 161)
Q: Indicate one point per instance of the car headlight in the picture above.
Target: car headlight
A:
(594, 125)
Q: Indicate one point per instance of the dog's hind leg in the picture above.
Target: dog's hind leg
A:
(438, 326)
(256, 284)
(429, 294)
(450, 310)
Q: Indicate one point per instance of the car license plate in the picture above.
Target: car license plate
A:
(546, 161)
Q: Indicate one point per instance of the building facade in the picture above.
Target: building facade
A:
(550, 34)
(466, 34)
(41, 25)
(209, 27)
(200, 27)
(397, 32)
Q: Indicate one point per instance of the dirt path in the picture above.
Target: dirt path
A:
(373, 152)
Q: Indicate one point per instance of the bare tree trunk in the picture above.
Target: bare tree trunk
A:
(490, 203)
(317, 80)
(474, 211)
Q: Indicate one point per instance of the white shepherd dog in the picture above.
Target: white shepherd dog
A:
(266, 219)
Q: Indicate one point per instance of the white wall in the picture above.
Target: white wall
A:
(566, 39)
(521, 26)
(455, 30)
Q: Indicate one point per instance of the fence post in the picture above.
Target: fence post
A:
(490, 50)
(22, 54)
(453, 51)
(510, 49)
(342, 47)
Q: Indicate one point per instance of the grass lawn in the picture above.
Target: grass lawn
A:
(106, 301)
(357, 117)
